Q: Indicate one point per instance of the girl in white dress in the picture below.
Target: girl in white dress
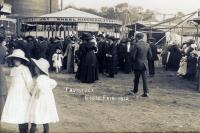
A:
(57, 60)
(16, 106)
(42, 105)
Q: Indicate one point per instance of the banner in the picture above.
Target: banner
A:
(88, 27)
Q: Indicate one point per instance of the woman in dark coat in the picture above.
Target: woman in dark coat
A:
(174, 58)
(70, 55)
(3, 89)
(128, 64)
(88, 68)
(191, 66)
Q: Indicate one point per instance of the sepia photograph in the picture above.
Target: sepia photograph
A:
(99, 66)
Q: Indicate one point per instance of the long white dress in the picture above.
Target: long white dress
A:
(42, 106)
(182, 71)
(57, 60)
(17, 102)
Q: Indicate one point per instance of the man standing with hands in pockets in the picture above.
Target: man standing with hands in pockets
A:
(140, 55)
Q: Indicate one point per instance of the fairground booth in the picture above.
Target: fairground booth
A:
(8, 23)
(67, 22)
(177, 29)
(148, 31)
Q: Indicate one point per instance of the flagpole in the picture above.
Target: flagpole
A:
(50, 6)
(61, 5)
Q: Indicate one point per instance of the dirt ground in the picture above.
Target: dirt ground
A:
(173, 105)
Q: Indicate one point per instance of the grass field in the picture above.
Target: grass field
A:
(173, 105)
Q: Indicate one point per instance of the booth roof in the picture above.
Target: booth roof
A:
(197, 20)
(71, 13)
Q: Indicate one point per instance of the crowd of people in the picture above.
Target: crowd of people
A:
(86, 56)
(181, 58)
(89, 55)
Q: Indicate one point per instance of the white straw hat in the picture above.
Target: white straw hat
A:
(18, 53)
(193, 46)
(42, 64)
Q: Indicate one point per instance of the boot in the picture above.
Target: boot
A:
(46, 128)
(33, 128)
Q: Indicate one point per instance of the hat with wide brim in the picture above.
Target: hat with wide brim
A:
(112, 38)
(58, 38)
(41, 38)
(139, 35)
(18, 53)
(42, 64)
(193, 46)
(85, 35)
(100, 36)
(73, 38)
(172, 43)
(151, 39)
(88, 36)
(29, 37)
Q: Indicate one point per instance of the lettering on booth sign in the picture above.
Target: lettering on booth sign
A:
(81, 20)
(88, 27)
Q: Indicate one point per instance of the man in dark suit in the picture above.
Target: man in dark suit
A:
(121, 53)
(29, 46)
(101, 55)
(111, 56)
(42, 47)
(151, 61)
(139, 55)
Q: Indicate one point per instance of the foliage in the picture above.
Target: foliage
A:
(124, 12)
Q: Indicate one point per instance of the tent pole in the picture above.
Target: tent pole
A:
(182, 35)
(36, 29)
(175, 26)
(135, 26)
(197, 36)
(64, 30)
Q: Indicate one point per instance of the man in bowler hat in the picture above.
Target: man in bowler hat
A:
(111, 56)
(139, 55)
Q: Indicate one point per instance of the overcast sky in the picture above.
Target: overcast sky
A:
(163, 6)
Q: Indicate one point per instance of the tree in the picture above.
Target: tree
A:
(123, 12)
(149, 16)
(178, 15)
(121, 7)
(70, 6)
(89, 10)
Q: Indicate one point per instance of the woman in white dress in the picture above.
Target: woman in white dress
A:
(43, 106)
(16, 106)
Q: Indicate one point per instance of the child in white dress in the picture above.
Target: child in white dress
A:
(42, 105)
(17, 102)
(57, 60)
